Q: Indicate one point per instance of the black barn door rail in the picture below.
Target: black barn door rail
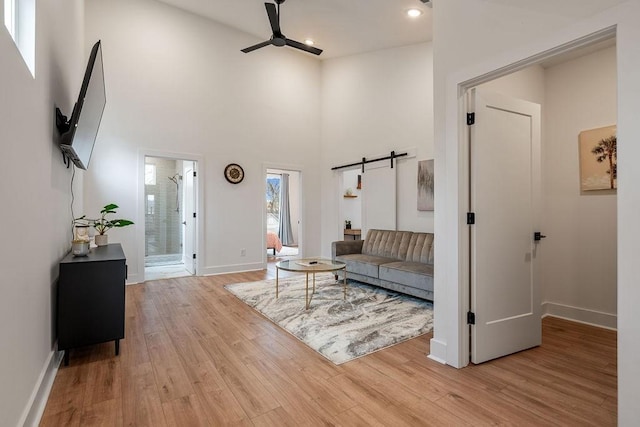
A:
(364, 161)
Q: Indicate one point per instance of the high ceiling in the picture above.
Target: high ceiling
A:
(339, 27)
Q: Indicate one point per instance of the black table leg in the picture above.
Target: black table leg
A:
(66, 358)
(117, 347)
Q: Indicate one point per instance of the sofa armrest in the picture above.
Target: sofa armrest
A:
(345, 247)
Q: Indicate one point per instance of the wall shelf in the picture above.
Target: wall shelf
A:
(350, 196)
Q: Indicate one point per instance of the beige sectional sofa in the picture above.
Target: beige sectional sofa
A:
(398, 260)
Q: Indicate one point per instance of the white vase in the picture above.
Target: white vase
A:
(101, 239)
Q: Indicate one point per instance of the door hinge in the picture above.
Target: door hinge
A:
(194, 256)
(195, 174)
(537, 236)
(471, 318)
(471, 119)
(194, 214)
(471, 218)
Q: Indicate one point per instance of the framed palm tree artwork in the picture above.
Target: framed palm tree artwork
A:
(598, 159)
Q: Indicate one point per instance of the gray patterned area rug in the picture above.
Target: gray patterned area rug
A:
(369, 320)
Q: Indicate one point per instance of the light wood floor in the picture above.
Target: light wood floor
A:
(195, 355)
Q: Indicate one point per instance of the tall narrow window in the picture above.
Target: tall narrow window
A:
(151, 204)
(20, 20)
(10, 17)
(149, 174)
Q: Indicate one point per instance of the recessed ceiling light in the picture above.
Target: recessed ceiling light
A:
(308, 42)
(414, 13)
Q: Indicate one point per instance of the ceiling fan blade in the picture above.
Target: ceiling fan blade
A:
(273, 17)
(256, 46)
(304, 47)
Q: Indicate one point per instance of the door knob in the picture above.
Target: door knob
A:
(537, 236)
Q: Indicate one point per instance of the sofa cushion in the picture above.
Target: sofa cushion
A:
(387, 243)
(420, 248)
(367, 265)
(414, 274)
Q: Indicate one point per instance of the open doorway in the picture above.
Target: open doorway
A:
(577, 259)
(169, 198)
(282, 214)
(352, 204)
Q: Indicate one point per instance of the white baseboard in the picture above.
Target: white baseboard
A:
(235, 268)
(581, 315)
(132, 279)
(38, 400)
(438, 351)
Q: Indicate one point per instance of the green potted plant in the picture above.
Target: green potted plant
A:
(103, 224)
(347, 224)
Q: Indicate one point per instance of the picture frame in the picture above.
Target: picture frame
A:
(426, 185)
(598, 159)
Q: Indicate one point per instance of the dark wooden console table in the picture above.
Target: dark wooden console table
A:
(352, 234)
(91, 298)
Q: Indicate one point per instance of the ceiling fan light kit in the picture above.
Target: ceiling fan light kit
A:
(277, 38)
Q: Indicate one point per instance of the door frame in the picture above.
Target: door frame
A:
(199, 204)
(450, 344)
(187, 195)
(301, 206)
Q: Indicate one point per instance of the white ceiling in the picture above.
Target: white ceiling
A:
(339, 27)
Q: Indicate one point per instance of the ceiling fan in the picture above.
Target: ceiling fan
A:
(279, 39)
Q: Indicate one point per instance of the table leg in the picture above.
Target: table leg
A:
(345, 283)
(314, 282)
(277, 282)
(306, 295)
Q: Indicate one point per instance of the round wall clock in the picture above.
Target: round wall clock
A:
(234, 173)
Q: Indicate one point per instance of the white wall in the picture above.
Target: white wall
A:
(502, 34)
(35, 186)
(527, 84)
(178, 82)
(374, 103)
(579, 256)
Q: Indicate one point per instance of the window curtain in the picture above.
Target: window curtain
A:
(284, 229)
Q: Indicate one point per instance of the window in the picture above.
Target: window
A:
(20, 20)
(149, 174)
(10, 17)
(151, 204)
(273, 202)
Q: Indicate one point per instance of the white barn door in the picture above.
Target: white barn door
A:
(379, 197)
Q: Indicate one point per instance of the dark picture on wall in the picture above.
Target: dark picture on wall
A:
(425, 185)
(598, 159)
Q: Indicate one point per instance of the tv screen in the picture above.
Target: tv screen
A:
(78, 135)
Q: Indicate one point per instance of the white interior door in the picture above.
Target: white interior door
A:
(189, 217)
(505, 197)
(378, 197)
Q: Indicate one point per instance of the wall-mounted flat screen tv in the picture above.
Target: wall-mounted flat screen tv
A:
(78, 134)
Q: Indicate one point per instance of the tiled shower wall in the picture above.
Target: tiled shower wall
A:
(163, 219)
